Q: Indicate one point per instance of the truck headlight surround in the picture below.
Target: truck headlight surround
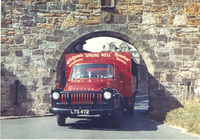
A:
(107, 95)
(55, 95)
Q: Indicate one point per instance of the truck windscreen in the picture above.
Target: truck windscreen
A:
(84, 71)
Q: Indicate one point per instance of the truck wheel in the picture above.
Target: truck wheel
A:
(60, 120)
(104, 120)
(131, 108)
(116, 118)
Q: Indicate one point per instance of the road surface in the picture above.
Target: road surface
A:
(133, 127)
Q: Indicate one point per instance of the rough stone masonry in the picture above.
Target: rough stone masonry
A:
(36, 34)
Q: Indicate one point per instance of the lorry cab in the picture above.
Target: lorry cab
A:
(93, 76)
(97, 83)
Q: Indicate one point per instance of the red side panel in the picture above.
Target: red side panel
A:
(123, 61)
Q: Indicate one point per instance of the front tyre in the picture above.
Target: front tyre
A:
(131, 108)
(116, 118)
(60, 120)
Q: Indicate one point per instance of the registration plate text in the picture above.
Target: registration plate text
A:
(76, 111)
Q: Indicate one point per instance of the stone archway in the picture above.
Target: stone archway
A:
(39, 42)
(160, 100)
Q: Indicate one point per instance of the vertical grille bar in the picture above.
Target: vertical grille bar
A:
(85, 101)
(99, 97)
(64, 98)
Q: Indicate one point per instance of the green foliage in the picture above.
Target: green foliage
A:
(187, 117)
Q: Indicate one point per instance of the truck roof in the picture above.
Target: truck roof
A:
(75, 58)
(95, 62)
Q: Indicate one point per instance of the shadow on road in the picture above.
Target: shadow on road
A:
(136, 122)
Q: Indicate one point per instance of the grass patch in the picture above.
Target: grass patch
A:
(187, 117)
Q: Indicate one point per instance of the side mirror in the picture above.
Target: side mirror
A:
(116, 77)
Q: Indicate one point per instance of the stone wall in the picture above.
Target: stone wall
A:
(36, 34)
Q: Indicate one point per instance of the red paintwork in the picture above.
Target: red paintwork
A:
(120, 61)
(88, 84)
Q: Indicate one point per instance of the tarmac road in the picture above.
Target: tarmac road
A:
(133, 127)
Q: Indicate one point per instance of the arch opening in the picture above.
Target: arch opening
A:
(121, 43)
(160, 101)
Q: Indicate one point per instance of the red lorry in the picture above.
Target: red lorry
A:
(97, 83)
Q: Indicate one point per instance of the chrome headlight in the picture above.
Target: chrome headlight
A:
(55, 95)
(107, 95)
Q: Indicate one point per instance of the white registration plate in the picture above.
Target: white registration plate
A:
(76, 111)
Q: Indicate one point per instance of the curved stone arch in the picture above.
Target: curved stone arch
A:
(120, 32)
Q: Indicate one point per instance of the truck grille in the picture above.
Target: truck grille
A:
(82, 98)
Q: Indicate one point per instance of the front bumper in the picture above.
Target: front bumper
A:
(67, 112)
(84, 101)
